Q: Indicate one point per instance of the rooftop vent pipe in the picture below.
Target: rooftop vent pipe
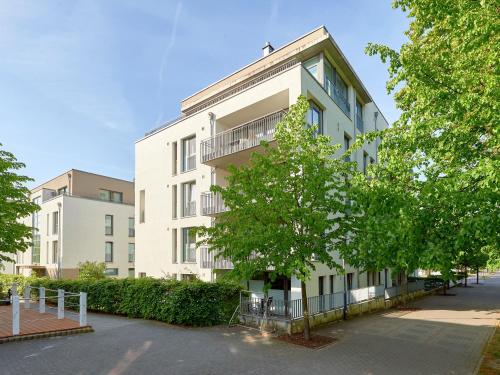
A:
(267, 49)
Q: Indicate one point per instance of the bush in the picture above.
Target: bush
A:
(91, 271)
(193, 303)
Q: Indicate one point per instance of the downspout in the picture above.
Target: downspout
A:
(59, 241)
(375, 115)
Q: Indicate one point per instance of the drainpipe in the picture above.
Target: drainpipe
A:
(344, 311)
(375, 115)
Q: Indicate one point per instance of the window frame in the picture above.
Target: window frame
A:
(188, 144)
(129, 257)
(111, 227)
(106, 252)
(185, 243)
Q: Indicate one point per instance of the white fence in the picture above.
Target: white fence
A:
(65, 304)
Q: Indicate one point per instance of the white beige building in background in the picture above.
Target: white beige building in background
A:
(83, 217)
(223, 124)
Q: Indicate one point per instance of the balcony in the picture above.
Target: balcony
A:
(208, 261)
(212, 204)
(220, 149)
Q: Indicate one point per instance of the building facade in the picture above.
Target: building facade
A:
(222, 125)
(82, 217)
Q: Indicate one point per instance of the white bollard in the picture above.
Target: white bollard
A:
(15, 314)
(14, 289)
(41, 300)
(60, 304)
(27, 297)
(83, 309)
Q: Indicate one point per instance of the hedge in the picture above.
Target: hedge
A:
(193, 303)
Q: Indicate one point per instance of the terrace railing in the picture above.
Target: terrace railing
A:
(212, 204)
(241, 137)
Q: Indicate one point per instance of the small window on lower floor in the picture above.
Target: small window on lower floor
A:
(188, 277)
(142, 274)
(131, 272)
(111, 272)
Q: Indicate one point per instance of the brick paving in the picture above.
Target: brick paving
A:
(32, 322)
(445, 337)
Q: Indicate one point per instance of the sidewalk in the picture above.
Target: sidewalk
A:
(446, 336)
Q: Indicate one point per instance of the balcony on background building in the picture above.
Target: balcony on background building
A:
(212, 204)
(228, 147)
(208, 260)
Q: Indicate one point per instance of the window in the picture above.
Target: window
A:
(111, 196)
(373, 278)
(62, 190)
(111, 272)
(331, 283)
(174, 158)
(174, 202)
(336, 87)
(312, 66)
(347, 144)
(131, 273)
(188, 245)
(349, 280)
(188, 277)
(105, 195)
(47, 252)
(131, 252)
(48, 224)
(142, 274)
(55, 222)
(142, 204)
(321, 285)
(315, 117)
(359, 116)
(117, 197)
(55, 250)
(35, 222)
(188, 154)
(108, 225)
(372, 160)
(188, 199)
(174, 245)
(365, 162)
(108, 252)
(131, 227)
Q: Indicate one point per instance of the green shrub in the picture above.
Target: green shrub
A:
(193, 303)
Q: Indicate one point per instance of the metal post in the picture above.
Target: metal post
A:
(41, 300)
(60, 304)
(14, 289)
(83, 309)
(344, 310)
(15, 314)
(27, 295)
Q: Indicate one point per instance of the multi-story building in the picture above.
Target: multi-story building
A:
(82, 217)
(223, 124)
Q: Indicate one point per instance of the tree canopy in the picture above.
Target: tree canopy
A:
(15, 204)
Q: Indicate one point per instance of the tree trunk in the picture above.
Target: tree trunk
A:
(477, 275)
(466, 276)
(305, 311)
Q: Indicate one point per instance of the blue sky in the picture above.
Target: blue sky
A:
(81, 81)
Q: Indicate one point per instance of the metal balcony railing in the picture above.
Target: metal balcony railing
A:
(189, 209)
(241, 138)
(212, 204)
(208, 261)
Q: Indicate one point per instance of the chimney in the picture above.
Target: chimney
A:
(267, 49)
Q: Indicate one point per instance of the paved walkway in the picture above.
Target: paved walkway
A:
(32, 322)
(445, 337)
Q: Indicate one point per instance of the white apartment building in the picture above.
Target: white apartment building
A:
(223, 124)
(82, 217)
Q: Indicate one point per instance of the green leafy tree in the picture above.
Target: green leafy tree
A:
(281, 206)
(15, 205)
(91, 270)
(435, 192)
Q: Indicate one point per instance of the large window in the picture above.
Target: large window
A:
(189, 199)
(111, 272)
(142, 206)
(188, 245)
(174, 245)
(315, 117)
(312, 66)
(131, 227)
(55, 222)
(347, 144)
(55, 251)
(131, 252)
(359, 116)
(174, 201)
(174, 158)
(188, 154)
(63, 190)
(108, 252)
(108, 225)
(336, 87)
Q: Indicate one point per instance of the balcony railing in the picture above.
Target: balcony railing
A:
(241, 138)
(208, 261)
(337, 97)
(212, 204)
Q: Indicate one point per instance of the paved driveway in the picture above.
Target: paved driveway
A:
(445, 337)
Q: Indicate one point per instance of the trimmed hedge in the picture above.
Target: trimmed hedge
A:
(194, 303)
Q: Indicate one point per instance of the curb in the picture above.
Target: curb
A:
(66, 332)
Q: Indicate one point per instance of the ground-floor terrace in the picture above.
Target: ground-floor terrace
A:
(442, 335)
